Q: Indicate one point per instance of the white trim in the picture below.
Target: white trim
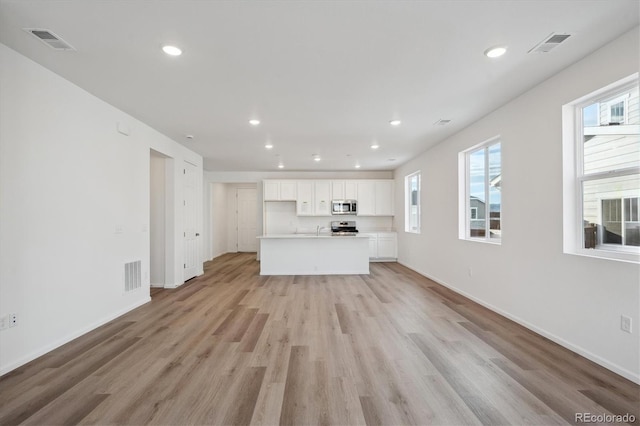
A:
(615, 368)
(573, 174)
(464, 205)
(48, 348)
(407, 203)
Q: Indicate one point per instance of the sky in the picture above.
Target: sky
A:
(477, 173)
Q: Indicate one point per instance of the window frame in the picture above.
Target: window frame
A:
(408, 202)
(574, 177)
(464, 192)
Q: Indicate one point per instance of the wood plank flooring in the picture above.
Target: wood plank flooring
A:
(234, 348)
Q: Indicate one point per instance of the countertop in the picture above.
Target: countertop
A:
(310, 236)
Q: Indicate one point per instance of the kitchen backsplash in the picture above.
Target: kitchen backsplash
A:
(281, 218)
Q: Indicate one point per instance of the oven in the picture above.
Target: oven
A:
(344, 228)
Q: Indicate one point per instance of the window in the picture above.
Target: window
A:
(481, 172)
(617, 110)
(620, 223)
(412, 203)
(601, 145)
(474, 213)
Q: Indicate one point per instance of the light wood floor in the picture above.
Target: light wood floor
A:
(232, 347)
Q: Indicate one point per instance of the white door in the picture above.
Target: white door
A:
(190, 221)
(247, 212)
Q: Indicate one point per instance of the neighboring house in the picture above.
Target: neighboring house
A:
(611, 205)
(477, 216)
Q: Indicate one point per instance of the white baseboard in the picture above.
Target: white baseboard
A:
(621, 371)
(48, 348)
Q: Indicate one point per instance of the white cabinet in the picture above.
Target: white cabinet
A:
(288, 190)
(313, 197)
(322, 198)
(383, 246)
(366, 198)
(344, 190)
(304, 204)
(373, 245)
(375, 198)
(384, 198)
(279, 190)
(387, 245)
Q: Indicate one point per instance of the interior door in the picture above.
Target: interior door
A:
(247, 219)
(190, 221)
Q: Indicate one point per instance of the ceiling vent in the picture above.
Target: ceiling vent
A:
(549, 43)
(49, 38)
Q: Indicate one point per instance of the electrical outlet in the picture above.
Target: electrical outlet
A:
(4, 322)
(13, 320)
(625, 324)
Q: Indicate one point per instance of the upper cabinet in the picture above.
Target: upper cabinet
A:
(280, 190)
(313, 197)
(322, 197)
(366, 198)
(384, 198)
(304, 204)
(344, 190)
(375, 198)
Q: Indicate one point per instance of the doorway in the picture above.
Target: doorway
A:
(247, 219)
(158, 164)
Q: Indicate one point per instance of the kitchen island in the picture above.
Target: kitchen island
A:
(311, 254)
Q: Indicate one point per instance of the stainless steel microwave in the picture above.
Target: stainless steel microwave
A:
(344, 207)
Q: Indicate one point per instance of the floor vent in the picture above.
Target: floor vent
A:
(132, 276)
(549, 43)
(49, 38)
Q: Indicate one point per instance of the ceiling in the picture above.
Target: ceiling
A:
(323, 77)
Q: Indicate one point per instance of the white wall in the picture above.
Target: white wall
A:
(74, 207)
(576, 301)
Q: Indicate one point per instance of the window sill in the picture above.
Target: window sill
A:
(483, 240)
(606, 254)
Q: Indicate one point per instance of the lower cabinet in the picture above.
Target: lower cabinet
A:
(382, 246)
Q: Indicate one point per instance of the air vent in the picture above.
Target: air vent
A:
(549, 43)
(132, 276)
(49, 38)
(442, 122)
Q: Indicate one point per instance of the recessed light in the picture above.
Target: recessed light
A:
(268, 145)
(190, 137)
(391, 159)
(357, 166)
(395, 122)
(281, 166)
(171, 50)
(375, 146)
(254, 122)
(495, 52)
(316, 157)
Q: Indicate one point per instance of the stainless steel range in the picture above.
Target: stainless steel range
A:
(344, 228)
